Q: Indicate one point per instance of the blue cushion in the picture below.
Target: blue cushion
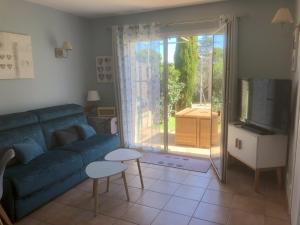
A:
(58, 124)
(86, 131)
(13, 136)
(43, 171)
(27, 150)
(94, 148)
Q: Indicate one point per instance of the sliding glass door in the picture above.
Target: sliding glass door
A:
(173, 90)
(219, 103)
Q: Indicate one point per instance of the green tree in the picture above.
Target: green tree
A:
(217, 78)
(186, 61)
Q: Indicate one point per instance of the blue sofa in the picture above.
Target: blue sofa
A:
(59, 168)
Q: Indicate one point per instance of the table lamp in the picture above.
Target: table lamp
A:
(92, 98)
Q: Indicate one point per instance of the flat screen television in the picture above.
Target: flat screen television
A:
(265, 103)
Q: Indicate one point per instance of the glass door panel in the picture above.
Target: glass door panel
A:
(218, 114)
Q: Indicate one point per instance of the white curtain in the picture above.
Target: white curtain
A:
(137, 51)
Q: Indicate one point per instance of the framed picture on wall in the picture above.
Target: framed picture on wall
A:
(104, 69)
(295, 49)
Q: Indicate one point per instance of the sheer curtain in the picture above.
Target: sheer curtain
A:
(137, 56)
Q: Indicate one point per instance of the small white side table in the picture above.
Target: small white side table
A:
(104, 169)
(125, 154)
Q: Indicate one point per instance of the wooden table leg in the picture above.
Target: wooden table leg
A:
(4, 216)
(140, 172)
(279, 176)
(107, 184)
(96, 196)
(256, 180)
(125, 184)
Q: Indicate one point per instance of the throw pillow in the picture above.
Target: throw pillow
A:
(86, 131)
(67, 136)
(27, 150)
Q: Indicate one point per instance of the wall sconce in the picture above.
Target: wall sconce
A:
(63, 52)
(283, 16)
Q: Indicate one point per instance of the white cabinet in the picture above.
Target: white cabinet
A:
(256, 150)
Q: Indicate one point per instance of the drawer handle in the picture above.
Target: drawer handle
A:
(238, 143)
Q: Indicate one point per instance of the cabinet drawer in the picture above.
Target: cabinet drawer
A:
(242, 145)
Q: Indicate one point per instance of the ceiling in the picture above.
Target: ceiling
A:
(101, 8)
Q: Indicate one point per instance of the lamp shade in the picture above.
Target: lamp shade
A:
(283, 15)
(93, 96)
(67, 45)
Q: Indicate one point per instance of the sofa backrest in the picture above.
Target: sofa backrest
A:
(57, 118)
(17, 126)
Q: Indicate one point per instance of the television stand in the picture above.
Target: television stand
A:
(256, 129)
(257, 151)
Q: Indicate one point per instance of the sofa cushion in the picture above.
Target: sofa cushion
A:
(45, 170)
(95, 147)
(14, 120)
(51, 126)
(17, 135)
(27, 150)
(86, 131)
(67, 136)
(55, 112)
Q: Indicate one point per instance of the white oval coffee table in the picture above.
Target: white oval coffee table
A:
(104, 169)
(125, 154)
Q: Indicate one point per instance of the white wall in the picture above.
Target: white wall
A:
(57, 81)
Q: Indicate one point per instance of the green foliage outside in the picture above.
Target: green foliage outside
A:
(217, 78)
(186, 62)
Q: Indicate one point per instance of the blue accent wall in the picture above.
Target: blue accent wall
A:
(57, 81)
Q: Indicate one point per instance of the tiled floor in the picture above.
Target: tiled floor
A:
(171, 197)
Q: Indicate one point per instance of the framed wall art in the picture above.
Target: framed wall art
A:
(104, 68)
(15, 56)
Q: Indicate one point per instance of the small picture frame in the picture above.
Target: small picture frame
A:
(104, 69)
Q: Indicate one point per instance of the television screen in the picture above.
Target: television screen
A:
(266, 103)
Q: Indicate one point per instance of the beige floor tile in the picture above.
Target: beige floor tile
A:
(152, 173)
(190, 192)
(195, 221)
(176, 177)
(133, 169)
(238, 217)
(114, 207)
(212, 213)
(88, 218)
(123, 222)
(64, 216)
(218, 198)
(182, 206)
(215, 184)
(197, 181)
(249, 204)
(154, 199)
(29, 221)
(274, 221)
(168, 218)
(164, 187)
(119, 180)
(46, 212)
(275, 210)
(141, 215)
(136, 182)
